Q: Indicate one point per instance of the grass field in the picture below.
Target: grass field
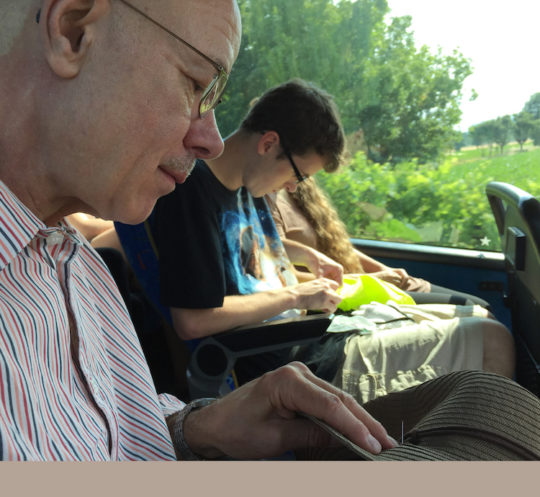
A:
(521, 169)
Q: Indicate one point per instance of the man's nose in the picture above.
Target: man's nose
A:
(204, 138)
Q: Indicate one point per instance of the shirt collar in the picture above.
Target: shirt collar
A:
(18, 225)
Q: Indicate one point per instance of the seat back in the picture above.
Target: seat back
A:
(517, 215)
(143, 257)
(141, 254)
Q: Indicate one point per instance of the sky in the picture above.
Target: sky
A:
(502, 39)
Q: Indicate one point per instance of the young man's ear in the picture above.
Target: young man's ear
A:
(266, 142)
(68, 27)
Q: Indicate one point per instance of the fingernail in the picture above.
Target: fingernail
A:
(393, 441)
(374, 444)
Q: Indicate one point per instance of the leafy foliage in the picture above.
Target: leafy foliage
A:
(523, 126)
(535, 132)
(502, 131)
(405, 100)
(533, 106)
(413, 98)
(442, 204)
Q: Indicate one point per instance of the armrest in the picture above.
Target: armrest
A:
(214, 357)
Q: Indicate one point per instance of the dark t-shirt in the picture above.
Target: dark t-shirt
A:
(214, 242)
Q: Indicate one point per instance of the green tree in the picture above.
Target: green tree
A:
(533, 106)
(316, 40)
(523, 125)
(360, 31)
(478, 135)
(413, 97)
(535, 132)
(486, 132)
(502, 131)
(462, 140)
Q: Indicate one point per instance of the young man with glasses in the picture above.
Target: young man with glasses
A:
(222, 264)
(221, 261)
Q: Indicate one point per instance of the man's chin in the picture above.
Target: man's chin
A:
(135, 217)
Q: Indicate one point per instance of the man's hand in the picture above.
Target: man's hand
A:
(318, 295)
(324, 267)
(319, 264)
(259, 420)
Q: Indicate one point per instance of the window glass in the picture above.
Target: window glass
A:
(434, 101)
(437, 203)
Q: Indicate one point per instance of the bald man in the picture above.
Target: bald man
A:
(105, 106)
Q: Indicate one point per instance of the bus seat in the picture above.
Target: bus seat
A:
(517, 215)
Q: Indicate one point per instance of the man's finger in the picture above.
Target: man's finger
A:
(330, 404)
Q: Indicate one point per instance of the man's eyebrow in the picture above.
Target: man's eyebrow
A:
(200, 71)
(217, 61)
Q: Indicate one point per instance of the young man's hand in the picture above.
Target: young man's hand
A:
(318, 264)
(324, 267)
(317, 295)
(259, 419)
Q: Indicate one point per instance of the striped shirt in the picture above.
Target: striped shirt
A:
(74, 381)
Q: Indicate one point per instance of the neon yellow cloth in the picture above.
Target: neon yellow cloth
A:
(365, 288)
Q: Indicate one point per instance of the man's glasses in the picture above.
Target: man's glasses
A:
(299, 176)
(212, 94)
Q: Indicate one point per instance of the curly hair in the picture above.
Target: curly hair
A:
(305, 117)
(332, 237)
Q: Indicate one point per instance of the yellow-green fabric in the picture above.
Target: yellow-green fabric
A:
(364, 289)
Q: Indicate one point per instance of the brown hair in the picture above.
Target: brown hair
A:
(305, 117)
(332, 237)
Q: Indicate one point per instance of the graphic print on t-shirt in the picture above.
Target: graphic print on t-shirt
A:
(255, 258)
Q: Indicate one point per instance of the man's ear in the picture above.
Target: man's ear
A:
(267, 141)
(69, 30)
